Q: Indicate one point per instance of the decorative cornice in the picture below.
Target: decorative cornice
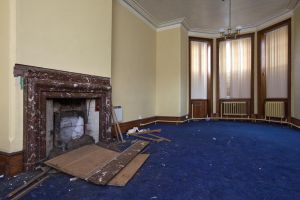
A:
(267, 22)
(139, 11)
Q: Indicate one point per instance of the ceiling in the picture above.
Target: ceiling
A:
(211, 15)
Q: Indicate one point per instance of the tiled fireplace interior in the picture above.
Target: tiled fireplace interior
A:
(60, 107)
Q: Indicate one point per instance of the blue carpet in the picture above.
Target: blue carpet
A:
(205, 160)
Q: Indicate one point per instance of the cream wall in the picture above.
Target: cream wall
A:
(296, 62)
(184, 87)
(4, 74)
(70, 35)
(149, 69)
(11, 104)
(168, 70)
(133, 64)
(171, 72)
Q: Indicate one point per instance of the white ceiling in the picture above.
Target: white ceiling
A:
(211, 15)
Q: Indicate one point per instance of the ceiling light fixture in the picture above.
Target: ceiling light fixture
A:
(229, 32)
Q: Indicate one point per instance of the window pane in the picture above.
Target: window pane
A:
(200, 63)
(276, 56)
(235, 68)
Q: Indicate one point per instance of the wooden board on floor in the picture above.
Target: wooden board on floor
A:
(104, 175)
(83, 162)
(126, 174)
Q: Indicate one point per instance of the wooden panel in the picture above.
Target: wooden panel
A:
(11, 163)
(125, 126)
(104, 175)
(70, 156)
(199, 108)
(88, 164)
(126, 174)
(295, 121)
(84, 161)
(169, 118)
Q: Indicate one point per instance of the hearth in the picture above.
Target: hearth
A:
(83, 100)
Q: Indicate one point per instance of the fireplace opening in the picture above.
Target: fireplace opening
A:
(71, 123)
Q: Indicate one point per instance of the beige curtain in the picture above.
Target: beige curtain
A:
(200, 68)
(235, 69)
(276, 54)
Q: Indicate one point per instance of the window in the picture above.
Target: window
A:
(274, 68)
(200, 77)
(276, 63)
(235, 69)
(200, 69)
(234, 81)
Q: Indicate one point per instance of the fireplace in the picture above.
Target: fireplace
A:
(59, 107)
(69, 121)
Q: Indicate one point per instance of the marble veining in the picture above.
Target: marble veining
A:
(41, 84)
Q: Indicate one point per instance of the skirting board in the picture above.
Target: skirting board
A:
(295, 121)
(159, 119)
(11, 163)
(177, 120)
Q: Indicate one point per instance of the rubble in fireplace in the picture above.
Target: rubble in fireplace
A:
(71, 145)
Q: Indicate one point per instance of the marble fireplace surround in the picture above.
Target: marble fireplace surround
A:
(41, 84)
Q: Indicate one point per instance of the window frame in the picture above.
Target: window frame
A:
(261, 71)
(209, 76)
(249, 101)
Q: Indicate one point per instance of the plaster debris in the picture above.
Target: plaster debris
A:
(2, 176)
(214, 138)
(154, 197)
(73, 179)
(133, 130)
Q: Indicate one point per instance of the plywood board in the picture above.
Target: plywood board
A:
(126, 174)
(83, 162)
(104, 175)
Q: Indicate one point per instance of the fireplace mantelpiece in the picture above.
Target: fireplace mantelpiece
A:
(41, 84)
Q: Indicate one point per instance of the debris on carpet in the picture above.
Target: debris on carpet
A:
(91, 163)
(96, 164)
(147, 134)
(29, 185)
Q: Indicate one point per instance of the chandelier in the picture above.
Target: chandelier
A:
(229, 32)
